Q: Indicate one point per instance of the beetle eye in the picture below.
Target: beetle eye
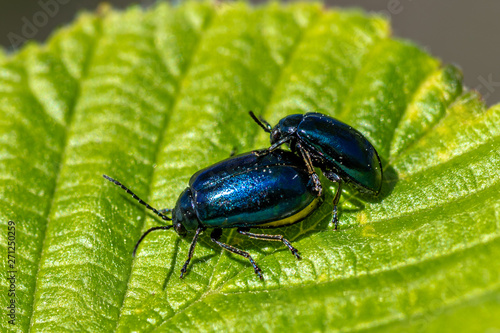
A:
(179, 229)
(275, 136)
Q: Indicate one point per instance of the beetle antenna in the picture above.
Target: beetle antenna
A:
(146, 233)
(261, 122)
(142, 202)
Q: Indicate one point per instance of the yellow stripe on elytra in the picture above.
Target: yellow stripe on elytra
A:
(294, 218)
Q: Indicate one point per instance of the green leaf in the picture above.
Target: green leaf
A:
(150, 97)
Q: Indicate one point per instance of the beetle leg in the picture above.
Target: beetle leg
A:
(335, 218)
(191, 250)
(276, 145)
(310, 168)
(279, 238)
(165, 210)
(146, 233)
(215, 238)
(273, 147)
(336, 179)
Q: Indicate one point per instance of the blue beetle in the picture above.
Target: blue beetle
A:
(243, 192)
(341, 152)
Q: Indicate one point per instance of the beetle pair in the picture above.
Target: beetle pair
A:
(272, 188)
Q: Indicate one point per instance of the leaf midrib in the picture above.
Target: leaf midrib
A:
(160, 141)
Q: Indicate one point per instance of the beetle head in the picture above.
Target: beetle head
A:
(286, 127)
(184, 217)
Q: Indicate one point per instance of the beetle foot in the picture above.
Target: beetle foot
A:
(335, 219)
(258, 271)
(295, 252)
(260, 153)
(183, 271)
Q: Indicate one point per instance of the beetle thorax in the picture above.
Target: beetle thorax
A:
(184, 216)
